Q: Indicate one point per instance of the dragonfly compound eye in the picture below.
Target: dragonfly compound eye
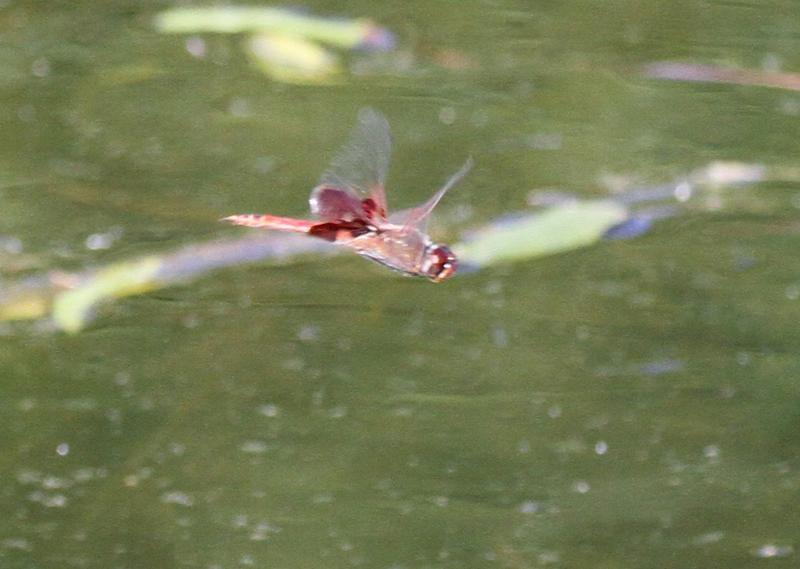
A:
(440, 263)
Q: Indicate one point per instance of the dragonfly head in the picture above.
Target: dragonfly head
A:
(439, 264)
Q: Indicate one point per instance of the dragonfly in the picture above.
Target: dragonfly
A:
(349, 208)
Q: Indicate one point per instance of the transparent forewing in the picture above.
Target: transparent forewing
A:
(415, 217)
(362, 163)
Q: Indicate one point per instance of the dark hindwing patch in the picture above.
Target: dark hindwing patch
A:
(329, 231)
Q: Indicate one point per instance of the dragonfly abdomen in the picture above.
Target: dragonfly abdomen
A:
(270, 222)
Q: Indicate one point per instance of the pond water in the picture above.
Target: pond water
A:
(633, 404)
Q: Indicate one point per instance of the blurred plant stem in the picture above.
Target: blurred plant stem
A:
(69, 298)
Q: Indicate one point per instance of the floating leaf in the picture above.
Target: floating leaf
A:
(292, 59)
(359, 33)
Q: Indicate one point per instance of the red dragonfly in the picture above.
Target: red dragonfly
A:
(350, 206)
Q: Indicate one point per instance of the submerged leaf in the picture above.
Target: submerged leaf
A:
(558, 229)
(291, 59)
(24, 306)
(72, 308)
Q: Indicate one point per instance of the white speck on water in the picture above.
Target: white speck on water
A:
(131, 480)
(239, 108)
(269, 410)
(490, 556)
(447, 115)
(84, 475)
(294, 364)
(102, 241)
(240, 521)
(247, 560)
(11, 245)
(196, 47)
(48, 500)
(600, 447)
(29, 477)
(19, 543)
(683, 192)
(708, 538)
(499, 337)
(771, 63)
(62, 449)
(337, 412)
(263, 530)
(114, 416)
(554, 412)
(254, 447)
(581, 487)
(177, 449)
(523, 447)
(264, 164)
(403, 411)
(80, 404)
(529, 507)
(178, 498)
(55, 483)
(743, 358)
(793, 292)
(55, 501)
(308, 333)
(771, 550)
(544, 141)
(441, 501)
(26, 404)
(122, 378)
(41, 67)
(549, 557)
(711, 452)
(323, 499)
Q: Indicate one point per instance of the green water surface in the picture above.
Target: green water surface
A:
(635, 404)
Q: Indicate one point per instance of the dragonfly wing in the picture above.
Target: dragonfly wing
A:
(361, 164)
(415, 217)
(330, 203)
